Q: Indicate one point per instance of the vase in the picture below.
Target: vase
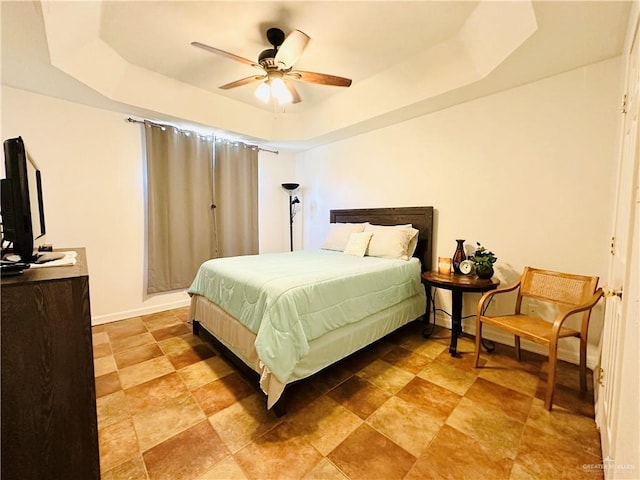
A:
(484, 271)
(458, 256)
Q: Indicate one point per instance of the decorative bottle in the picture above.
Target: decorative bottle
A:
(458, 256)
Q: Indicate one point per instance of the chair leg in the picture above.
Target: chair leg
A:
(551, 374)
(517, 339)
(478, 343)
(583, 364)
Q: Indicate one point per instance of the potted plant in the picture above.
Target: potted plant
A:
(483, 261)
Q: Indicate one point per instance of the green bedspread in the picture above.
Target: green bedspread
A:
(289, 299)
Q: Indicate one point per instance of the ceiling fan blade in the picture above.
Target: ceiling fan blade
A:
(243, 81)
(226, 54)
(319, 78)
(291, 49)
(293, 91)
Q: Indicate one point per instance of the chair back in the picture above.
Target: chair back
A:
(568, 289)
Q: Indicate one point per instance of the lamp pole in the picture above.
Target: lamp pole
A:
(291, 221)
(290, 187)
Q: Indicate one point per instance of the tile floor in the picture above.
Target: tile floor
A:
(170, 407)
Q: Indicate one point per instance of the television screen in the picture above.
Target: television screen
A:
(35, 199)
(22, 204)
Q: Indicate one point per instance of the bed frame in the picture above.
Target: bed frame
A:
(420, 217)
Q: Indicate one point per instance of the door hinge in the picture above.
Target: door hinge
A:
(601, 376)
(623, 107)
(613, 245)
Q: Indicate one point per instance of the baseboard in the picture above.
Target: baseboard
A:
(565, 352)
(114, 317)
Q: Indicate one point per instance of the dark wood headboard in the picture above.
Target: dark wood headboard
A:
(420, 217)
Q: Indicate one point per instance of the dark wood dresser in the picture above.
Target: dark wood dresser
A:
(49, 426)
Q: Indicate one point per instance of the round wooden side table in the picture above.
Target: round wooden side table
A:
(458, 284)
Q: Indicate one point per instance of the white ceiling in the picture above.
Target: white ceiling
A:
(405, 58)
(350, 39)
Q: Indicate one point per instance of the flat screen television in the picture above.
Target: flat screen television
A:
(22, 211)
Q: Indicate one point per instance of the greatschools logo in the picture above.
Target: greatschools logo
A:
(608, 463)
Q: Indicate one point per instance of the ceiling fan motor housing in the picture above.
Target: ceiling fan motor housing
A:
(267, 58)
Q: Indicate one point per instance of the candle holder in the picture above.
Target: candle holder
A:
(444, 265)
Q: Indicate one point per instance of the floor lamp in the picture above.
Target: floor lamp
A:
(291, 187)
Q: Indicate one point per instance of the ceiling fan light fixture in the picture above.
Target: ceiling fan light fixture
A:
(280, 91)
(263, 92)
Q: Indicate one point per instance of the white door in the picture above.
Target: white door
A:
(618, 386)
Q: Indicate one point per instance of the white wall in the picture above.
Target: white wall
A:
(273, 171)
(528, 172)
(91, 162)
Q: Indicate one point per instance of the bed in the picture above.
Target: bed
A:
(287, 316)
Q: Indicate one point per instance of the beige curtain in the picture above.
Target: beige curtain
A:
(181, 230)
(236, 197)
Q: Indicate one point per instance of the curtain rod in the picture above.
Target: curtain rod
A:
(133, 120)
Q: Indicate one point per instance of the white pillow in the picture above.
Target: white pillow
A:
(358, 243)
(339, 233)
(413, 243)
(392, 241)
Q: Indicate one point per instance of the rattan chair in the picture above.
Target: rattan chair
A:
(564, 293)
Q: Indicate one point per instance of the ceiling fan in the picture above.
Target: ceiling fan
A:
(276, 65)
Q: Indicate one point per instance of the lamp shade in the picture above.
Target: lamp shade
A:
(274, 88)
(279, 90)
(290, 186)
(263, 92)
